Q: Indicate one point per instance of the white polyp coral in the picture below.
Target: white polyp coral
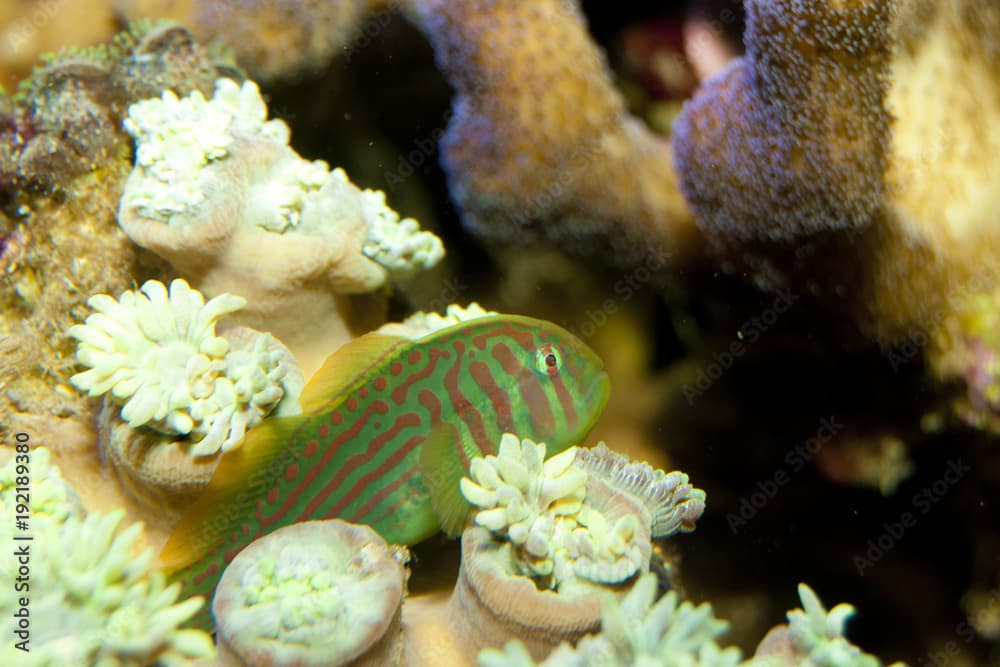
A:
(51, 497)
(818, 635)
(598, 551)
(177, 137)
(315, 593)
(673, 503)
(640, 631)
(158, 356)
(422, 324)
(398, 245)
(182, 144)
(539, 507)
(102, 605)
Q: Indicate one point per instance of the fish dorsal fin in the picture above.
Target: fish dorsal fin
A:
(442, 471)
(343, 369)
(220, 508)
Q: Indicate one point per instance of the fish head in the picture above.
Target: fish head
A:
(572, 379)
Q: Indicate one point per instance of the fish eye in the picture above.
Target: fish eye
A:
(547, 359)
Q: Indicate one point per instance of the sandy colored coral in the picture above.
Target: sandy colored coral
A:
(540, 146)
(272, 40)
(63, 161)
(190, 150)
(155, 472)
(940, 242)
(219, 193)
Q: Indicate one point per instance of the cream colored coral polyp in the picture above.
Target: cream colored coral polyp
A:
(312, 594)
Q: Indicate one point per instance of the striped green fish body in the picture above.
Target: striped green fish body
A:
(381, 419)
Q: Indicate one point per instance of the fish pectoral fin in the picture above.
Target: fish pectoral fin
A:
(231, 495)
(442, 470)
(344, 368)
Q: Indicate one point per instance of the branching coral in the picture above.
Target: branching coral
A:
(158, 355)
(314, 593)
(540, 145)
(939, 247)
(852, 148)
(218, 192)
(791, 140)
(103, 605)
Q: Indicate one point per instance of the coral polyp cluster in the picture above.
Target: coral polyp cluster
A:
(316, 593)
(562, 524)
(540, 146)
(94, 598)
(158, 355)
(183, 149)
(218, 192)
(642, 630)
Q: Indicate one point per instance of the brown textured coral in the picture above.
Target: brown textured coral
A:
(63, 161)
(851, 147)
(540, 146)
(271, 40)
(790, 141)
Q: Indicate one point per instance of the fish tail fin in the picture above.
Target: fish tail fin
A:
(442, 470)
(241, 478)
